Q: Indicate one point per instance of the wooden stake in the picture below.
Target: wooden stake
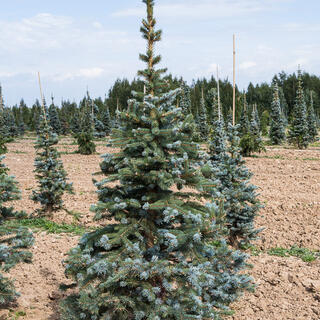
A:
(234, 82)
(219, 107)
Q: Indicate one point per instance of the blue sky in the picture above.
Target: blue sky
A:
(75, 44)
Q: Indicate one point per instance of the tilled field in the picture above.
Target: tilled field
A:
(289, 186)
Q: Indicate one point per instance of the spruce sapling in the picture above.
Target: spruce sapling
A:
(51, 176)
(159, 257)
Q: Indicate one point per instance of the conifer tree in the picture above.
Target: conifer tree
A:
(202, 121)
(185, 102)
(312, 121)
(233, 187)
(14, 240)
(21, 127)
(277, 130)
(255, 114)
(284, 107)
(54, 118)
(98, 127)
(249, 132)
(51, 176)
(3, 147)
(85, 142)
(215, 112)
(265, 119)
(106, 120)
(244, 127)
(255, 133)
(298, 131)
(75, 124)
(3, 128)
(159, 257)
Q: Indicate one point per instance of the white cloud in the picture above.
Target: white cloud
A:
(247, 65)
(301, 27)
(200, 9)
(91, 72)
(97, 25)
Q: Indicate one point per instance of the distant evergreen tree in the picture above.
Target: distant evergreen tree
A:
(51, 176)
(14, 240)
(10, 123)
(256, 117)
(98, 127)
(65, 125)
(159, 257)
(202, 120)
(277, 129)
(233, 187)
(244, 127)
(212, 97)
(298, 131)
(8, 127)
(264, 123)
(284, 107)
(54, 119)
(255, 132)
(252, 141)
(312, 121)
(185, 102)
(85, 142)
(75, 124)
(25, 114)
(3, 147)
(3, 127)
(106, 120)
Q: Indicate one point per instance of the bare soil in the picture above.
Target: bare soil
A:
(289, 186)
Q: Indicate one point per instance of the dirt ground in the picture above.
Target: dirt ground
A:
(289, 187)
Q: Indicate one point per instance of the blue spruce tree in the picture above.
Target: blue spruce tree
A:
(54, 118)
(185, 102)
(312, 121)
(160, 257)
(51, 176)
(202, 120)
(232, 178)
(106, 120)
(244, 124)
(298, 131)
(277, 129)
(14, 240)
(85, 142)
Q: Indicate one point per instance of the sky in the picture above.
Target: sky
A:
(77, 45)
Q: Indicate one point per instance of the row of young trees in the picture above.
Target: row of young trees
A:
(164, 254)
(93, 119)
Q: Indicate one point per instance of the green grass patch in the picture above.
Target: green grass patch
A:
(16, 315)
(68, 152)
(49, 226)
(277, 156)
(18, 152)
(315, 144)
(304, 254)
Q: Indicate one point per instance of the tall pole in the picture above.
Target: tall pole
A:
(234, 82)
(219, 107)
